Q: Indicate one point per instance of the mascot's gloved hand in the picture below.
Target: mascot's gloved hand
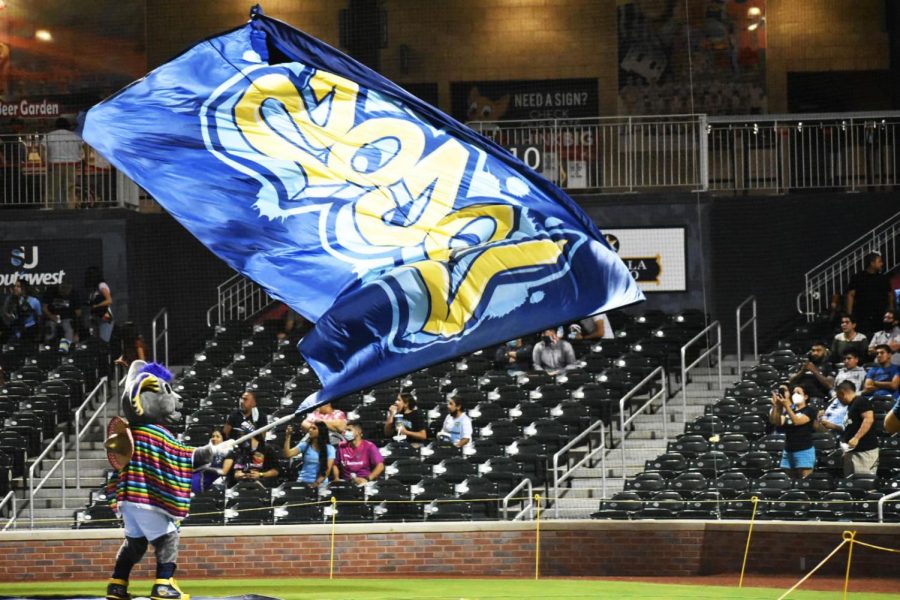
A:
(224, 447)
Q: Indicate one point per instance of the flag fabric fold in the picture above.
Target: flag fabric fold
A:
(407, 238)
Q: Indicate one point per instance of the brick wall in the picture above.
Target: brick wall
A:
(568, 549)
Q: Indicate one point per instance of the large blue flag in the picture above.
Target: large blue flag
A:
(407, 238)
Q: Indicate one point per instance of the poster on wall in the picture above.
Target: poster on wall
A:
(683, 56)
(43, 263)
(524, 99)
(655, 256)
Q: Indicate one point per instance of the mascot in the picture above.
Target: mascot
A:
(152, 489)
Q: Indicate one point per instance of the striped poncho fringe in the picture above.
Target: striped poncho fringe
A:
(159, 472)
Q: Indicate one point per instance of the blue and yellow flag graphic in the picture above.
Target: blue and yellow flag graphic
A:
(407, 238)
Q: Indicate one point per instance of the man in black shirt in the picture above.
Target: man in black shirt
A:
(860, 440)
(814, 373)
(869, 295)
(62, 310)
(247, 419)
(404, 418)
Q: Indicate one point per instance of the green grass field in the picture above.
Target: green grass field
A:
(455, 589)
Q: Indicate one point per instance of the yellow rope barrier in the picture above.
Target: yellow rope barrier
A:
(848, 536)
(537, 538)
(816, 568)
(755, 501)
(333, 526)
(874, 547)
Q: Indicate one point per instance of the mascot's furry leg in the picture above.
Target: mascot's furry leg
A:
(165, 588)
(130, 553)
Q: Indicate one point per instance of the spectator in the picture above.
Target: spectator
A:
(861, 451)
(246, 419)
(22, 313)
(851, 371)
(316, 454)
(64, 154)
(133, 346)
(815, 372)
(219, 467)
(832, 418)
(848, 339)
(889, 335)
(293, 325)
(334, 419)
(457, 424)
(883, 380)
(552, 354)
(62, 310)
(358, 460)
(99, 302)
(593, 328)
(514, 356)
(891, 420)
(405, 419)
(869, 294)
(792, 413)
(258, 463)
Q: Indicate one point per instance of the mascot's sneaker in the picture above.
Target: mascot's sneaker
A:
(167, 589)
(117, 589)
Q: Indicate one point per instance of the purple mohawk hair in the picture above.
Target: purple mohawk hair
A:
(158, 370)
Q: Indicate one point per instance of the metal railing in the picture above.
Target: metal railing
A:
(102, 390)
(34, 489)
(832, 275)
(608, 154)
(239, 298)
(162, 334)
(662, 393)
(881, 502)
(741, 326)
(570, 469)
(527, 506)
(10, 499)
(710, 348)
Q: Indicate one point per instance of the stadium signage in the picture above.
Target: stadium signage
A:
(42, 263)
(654, 257)
(29, 109)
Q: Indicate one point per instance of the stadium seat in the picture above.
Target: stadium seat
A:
(455, 469)
(702, 505)
(646, 484)
(732, 444)
(771, 485)
(755, 463)
(857, 485)
(688, 483)
(711, 463)
(623, 505)
(731, 484)
(689, 445)
(662, 505)
(668, 464)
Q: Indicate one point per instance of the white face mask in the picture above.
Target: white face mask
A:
(349, 435)
(797, 398)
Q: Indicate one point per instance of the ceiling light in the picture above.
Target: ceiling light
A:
(754, 11)
(42, 35)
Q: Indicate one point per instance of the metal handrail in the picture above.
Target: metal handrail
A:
(881, 502)
(209, 311)
(558, 479)
(80, 431)
(662, 393)
(529, 507)
(32, 489)
(741, 327)
(686, 368)
(11, 499)
(164, 334)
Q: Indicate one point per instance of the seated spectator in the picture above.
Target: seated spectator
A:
(62, 310)
(832, 418)
(552, 354)
(592, 328)
(217, 469)
(892, 419)
(358, 460)
(335, 420)
(861, 451)
(246, 419)
(814, 373)
(316, 454)
(259, 463)
(22, 313)
(848, 339)
(133, 346)
(792, 414)
(457, 424)
(883, 380)
(851, 371)
(405, 419)
(889, 336)
(514, 356)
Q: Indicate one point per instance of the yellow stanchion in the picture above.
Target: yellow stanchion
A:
(333, 526)
(850, 537)
(755, 501)
(537, 538)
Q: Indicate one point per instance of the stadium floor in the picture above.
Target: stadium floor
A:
(700, 588)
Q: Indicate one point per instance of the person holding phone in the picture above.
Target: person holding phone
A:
(793, 415)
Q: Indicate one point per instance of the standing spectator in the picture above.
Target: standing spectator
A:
(335, 420)
(317, 455)
(219, 466)
(593, 328)
(861, 456)
(22, 313)
(883, 380)
(793, 415)
(815, 372)
(405, 419)
(358, 460)
(99, 302)
(869, 294)
(246, 419)
(133, 346)
(62, 311)
(259, 463)
(552, 354)
(848, 339)
(514, 356)
(889, 335)
(64, 154)
(457, 424)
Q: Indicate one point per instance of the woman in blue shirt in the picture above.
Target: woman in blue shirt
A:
(317, 455)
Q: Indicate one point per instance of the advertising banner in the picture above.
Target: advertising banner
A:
(655, 257)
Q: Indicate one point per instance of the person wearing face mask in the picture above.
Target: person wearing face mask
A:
(358, 460)
(552, 354)
(888, 336)
(514, 356)
(792, 414)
